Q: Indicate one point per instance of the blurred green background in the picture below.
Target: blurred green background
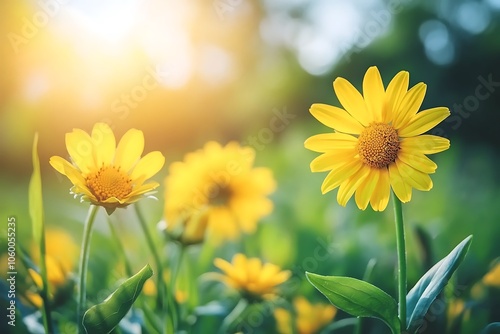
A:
(189, 72)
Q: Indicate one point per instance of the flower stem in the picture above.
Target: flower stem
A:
(47, 320)
(160, 304)
(232, 317)
(401, 249)
(83, 264)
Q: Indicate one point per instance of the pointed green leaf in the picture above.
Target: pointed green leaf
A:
(102, 318)
(35, 195)
(420, 298)
(358, 298)
(493, 328)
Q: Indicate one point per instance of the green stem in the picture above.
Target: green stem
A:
(401, 249)
(232, 317)
(83, 264)
(121, 249)
(149, 239)
(44, 293)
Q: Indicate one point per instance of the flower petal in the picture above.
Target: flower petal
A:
(399, 186)
(340, 174)
(144, 188)
(349, 186)
(409, 105)
(382, 192)
(418, 161)
(374, 93)
(330, 141)
(148, 166)
(424, 121)
(336, 118)
(129, 149)
(365, 190)
(352, 101)
(413, 177)
(329, 160)
(65, 168)
(104, 144)
(394, 94)
(80, 148)
(425, 144)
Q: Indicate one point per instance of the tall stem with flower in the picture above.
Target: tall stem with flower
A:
(105, 175)
(378, 144)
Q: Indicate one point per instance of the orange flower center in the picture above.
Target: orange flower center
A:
(108, 182)
(378, 145)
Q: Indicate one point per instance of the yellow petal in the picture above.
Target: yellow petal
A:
(331, 159)
(418, 161)
(374, 93)
(409, 105)
(365, 190)
(222, 225)
(424, 121)
(80, 148)
(223, 265)
(340, 174)
(349, 186)
(400, 187)
(74, 175)
(336, 118)
(59, 164)
(254, 267)
(129, 149)
(382, 192)
(413, 177)
(330, 141)
(395, 93)
(268, 272)
(148, 166)
(104, 144)
(144, 188)
(425, 144)
(352, 101)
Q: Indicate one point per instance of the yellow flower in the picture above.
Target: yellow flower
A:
(217, 189)
(61, 254)
(492, 278)
(309, 319)
(250, 276)
(377, 142)
(107, 175)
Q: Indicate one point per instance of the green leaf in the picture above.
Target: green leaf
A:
(103, 317)
(493, 328)
(358, 298)
(420, 298)
(35, 195)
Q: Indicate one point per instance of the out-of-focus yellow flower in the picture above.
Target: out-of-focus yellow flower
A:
(492, 278)
(455, 308)
(250, 276)
(61, 254)
(377, 141)
(309, 318)
(217, 189)
(105, 174)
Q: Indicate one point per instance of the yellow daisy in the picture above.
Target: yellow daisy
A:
(378, 142)
(107, 175)
(250, 276)
(309, 318)
(217, 190)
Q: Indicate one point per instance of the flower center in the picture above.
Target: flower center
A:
(109, 182)
(220, 196)
(378, 145)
